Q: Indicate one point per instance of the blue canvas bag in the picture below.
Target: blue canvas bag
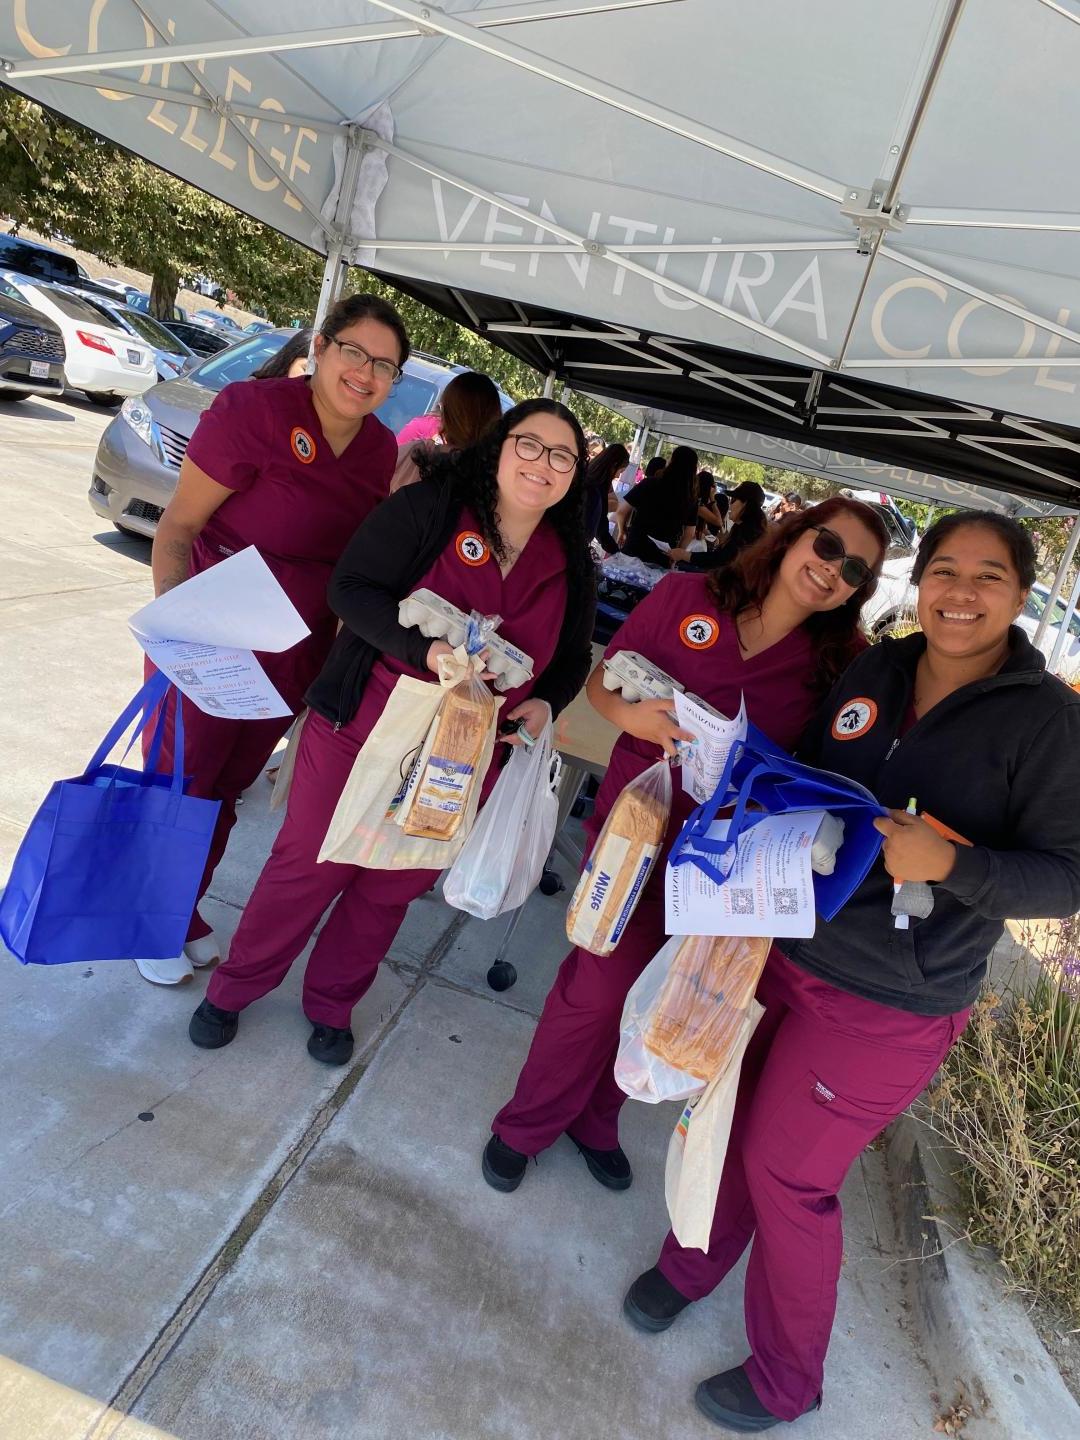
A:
(110, 866)
(760, 773)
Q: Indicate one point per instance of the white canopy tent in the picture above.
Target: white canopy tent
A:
(837, 224)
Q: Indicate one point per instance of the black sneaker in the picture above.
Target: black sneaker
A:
(211, 1027)
(652, 1303)
(503, 1167)
(731, 1401)
(610, 1167)
(330, 1045)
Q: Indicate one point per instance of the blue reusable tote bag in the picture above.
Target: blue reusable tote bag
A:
(758, 773)
(110, 866)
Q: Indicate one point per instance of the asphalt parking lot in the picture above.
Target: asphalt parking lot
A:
(245, 1246)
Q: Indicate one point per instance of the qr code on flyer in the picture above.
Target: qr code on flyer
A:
(742, 901)
(786, 901)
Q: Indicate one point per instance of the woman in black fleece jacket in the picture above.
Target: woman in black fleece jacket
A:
(965, 719)
(497, 528)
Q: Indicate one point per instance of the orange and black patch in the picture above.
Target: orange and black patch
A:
(699, 632)
(471, 548)
(303, 446)
(854, 718)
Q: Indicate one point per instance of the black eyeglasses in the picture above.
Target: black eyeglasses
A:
(829, 546)
(528, 448)
(352, 354)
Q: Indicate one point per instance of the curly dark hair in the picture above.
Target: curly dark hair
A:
(473, 474)
(743, 585)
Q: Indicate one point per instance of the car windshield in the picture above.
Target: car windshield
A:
(153, 333)
(411, 397)
(76, 309)
(1036, 604)
(237, 362)
(33, 260)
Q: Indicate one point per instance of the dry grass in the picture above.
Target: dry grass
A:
(1008, 1103)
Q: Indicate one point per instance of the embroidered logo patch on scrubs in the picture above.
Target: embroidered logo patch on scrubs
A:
(303, 446)
(699, 632)
(854, 719)
(471, 548)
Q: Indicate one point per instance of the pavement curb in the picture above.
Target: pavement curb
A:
(979, 1343)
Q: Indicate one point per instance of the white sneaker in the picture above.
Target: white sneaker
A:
(175, 970)
(204, 951)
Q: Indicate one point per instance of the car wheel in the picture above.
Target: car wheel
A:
(13, 395)
(101, 397)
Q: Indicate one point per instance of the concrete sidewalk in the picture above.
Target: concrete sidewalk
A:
(246, 1244)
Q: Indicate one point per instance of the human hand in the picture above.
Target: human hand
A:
(435, 649)
(913, 850)
(653, 721)
(677, 555)
(535, 713)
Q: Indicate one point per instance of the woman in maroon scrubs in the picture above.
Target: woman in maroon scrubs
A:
(497, 528)
(291, 466)
(776, 629)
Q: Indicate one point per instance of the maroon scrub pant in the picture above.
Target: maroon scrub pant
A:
(823, 1075)
(294, 890)
(222, 757)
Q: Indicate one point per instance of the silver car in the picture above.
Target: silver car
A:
(140, 452)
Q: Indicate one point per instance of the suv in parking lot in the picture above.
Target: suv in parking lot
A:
(31, 351)
(140, 452)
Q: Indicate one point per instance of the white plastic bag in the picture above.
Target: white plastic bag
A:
(699, 1143)
(503, 858)
(684, 1014)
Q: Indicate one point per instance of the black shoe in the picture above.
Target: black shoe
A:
(730, 1400)
(211, 1027)
(503, 1167)
(652, 1303)
(330, 1045)
(610, 1167)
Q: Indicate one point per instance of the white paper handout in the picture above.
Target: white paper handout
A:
(201, 634)
(702, 767)
(769, 889)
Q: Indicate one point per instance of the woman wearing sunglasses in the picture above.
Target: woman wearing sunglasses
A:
(291, 466)
(498, 528)
(776, 629)
(963, 717)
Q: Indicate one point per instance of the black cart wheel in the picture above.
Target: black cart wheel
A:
(502, 975)
(551, 883)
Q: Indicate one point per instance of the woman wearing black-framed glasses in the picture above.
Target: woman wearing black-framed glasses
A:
(290, 466)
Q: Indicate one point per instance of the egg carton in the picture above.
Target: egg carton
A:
(439, 620)
(638, 678)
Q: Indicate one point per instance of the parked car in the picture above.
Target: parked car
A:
(41, 262)
(140, 452)
(100, 359)
(220, 321)
(171, 356)
(200, 338)
(31, 351)
(258, 327)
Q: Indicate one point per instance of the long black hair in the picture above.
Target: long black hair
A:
(280, 363)
(751, 523)
(473, 474)
(681, 474)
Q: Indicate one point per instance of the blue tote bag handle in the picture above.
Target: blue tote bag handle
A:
(153, 696)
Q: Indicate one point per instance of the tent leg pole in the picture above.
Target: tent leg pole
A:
(1063, 632)
(330, 288)
(1059, 581)
(549, 385)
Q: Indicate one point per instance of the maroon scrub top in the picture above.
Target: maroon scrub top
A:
(679, 627)
(531, 601)
(293, 499)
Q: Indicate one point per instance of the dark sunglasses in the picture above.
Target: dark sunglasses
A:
(829, 546)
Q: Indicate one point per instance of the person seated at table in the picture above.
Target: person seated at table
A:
(497, 528)
(964, 717)
(664, 507)
(776, 629)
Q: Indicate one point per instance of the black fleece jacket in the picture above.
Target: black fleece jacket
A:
(384, 561)
(996, 761)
